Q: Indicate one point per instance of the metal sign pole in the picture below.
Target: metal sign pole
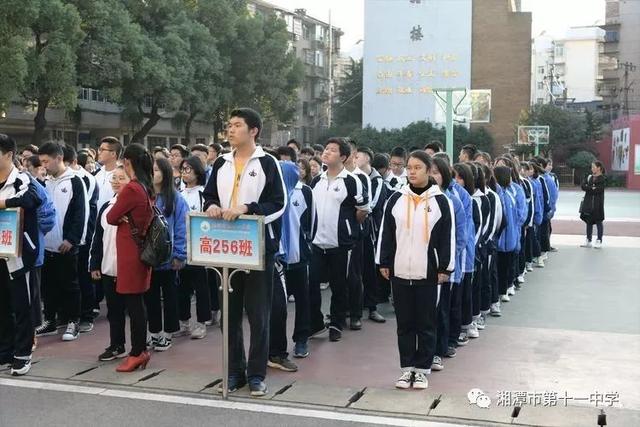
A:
(225, 333)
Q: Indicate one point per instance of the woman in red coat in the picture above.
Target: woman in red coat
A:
(134, 207)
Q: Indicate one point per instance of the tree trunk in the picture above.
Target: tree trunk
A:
(187, 127)
(152, 119)
(40, 122)
(218, 124)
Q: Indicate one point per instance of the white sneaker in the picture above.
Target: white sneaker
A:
(185, 329)
(511, 291)
(521, 278)
(539, 263)
(404, 382)
(72, 332)
(292, 298)
(324, 286)
(480, 323)
(437, 365)
(505, 298)
(472, 331)
(586, 244)
(495, 310)
(529, 266)
(544, 256)
(420, 381)
(199, 332)
(597, 244)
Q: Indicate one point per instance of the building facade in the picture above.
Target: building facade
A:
(317, 44)
(501, 61)
(618, 83)
(565, 70)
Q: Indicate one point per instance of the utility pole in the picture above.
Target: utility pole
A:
(628, 67)
(551, 82)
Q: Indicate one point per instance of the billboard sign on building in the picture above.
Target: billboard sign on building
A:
(620, 147)
(412, 47)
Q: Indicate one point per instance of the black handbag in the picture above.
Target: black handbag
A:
(155, 245)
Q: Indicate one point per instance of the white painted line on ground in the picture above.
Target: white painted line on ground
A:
(609, 241)
(221, 404)
(577, 218)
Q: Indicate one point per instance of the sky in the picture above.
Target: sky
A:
(552, 16)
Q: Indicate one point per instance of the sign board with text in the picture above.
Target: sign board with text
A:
(10, 233)
(410, 48)
(219, 243)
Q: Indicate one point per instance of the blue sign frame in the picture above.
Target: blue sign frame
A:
(219, 243)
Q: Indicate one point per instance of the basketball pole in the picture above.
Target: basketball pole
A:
(449, 118)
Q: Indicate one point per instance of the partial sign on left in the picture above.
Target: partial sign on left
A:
(10, 233)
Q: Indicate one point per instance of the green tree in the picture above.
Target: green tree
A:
(347, 109)
(55, 36)
(16, 17)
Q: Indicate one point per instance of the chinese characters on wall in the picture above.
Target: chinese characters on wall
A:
(417, 72)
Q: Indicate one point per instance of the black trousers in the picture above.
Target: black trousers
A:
(467, 299)
(455, 312)
(504, 271)
(60, 287)
(194, 279)
(336, 263)
(486, 284)
(599, 228)
(87, 285)
(296, 283)
(528, 244)
(16, 322)
(116, 307)
(354, 278)
(416, 315)
(137, 322)
(444, 310)
(214, 289)
(522, 258)
(370, 281)
(36, 302)
(536, 241)
(252, 293)
(165, 308)
(545, 233)
(493, 276)
(478, 282)
(515, 265)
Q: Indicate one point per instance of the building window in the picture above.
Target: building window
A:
(560, 50)
(540, 101)
(152, 141)
(201, 141)
(306, 31)
(540, 70)
(172, 141)
(612, 37)
(319, 58)
(309, 57)
(540, 85)
(305, 108)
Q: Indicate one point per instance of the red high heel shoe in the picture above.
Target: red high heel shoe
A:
(131, 363)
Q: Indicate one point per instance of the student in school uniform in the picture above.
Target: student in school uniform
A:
(538, 199)
(103, 265)
(466, 176)
(193, 278)
(339, 199)
(416, 252)
(507, 241)
(249, 181)
(292, 272)
(441, 174)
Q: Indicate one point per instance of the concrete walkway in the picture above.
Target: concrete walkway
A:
(573, 332)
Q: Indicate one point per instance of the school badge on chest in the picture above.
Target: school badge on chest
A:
(253, 174)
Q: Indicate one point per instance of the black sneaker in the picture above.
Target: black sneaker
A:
(85, 326)
(282, 363)
(319, 332)
(451, 352)
(376, 317)
(47, 328)
(20, 367)
(112, 353)
(161, 343)
(235, 384)
(335, 334)
(257, 387)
